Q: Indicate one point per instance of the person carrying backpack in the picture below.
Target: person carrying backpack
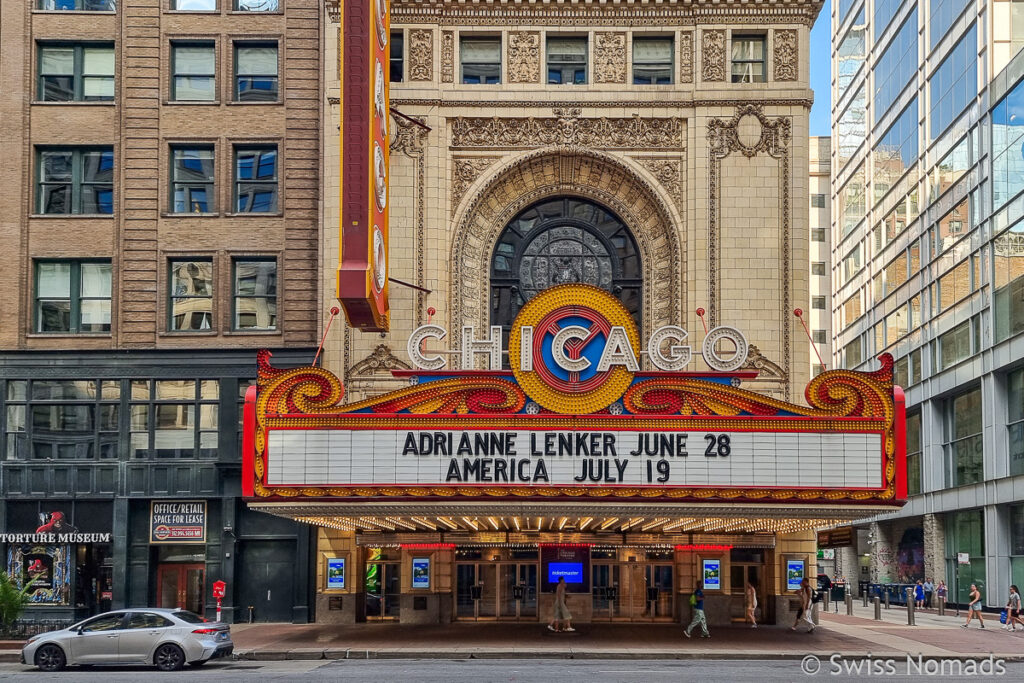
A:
(697, 603)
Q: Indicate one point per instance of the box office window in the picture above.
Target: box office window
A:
(194, 72)
(748, 59)
(567, 60)
(72, 296)
(75, 180)
(480, 60)
(191, 295)
(61, 419)
(964, 447)
(256, 179)
(81, 72)
(255, 295)
(397, 52)
(256, 72)
(192, 175)
(174, 418)
(652, 61)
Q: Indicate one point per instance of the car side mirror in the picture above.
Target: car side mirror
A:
(79, 630)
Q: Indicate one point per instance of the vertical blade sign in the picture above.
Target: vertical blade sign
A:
(363, 252)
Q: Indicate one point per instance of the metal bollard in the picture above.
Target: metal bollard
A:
(865, 596)
(878, 608)
(910, 607)
(942, 606)
(886, 598)
(849, 605)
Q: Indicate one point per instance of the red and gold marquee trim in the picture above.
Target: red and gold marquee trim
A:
(841, 401)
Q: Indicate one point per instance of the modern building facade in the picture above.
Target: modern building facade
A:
(927, 174)
(655, 151)
(162, 166)
(819, 308)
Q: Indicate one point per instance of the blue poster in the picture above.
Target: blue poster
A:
(794, 574)
(712, 574)
(335, 572)
(421, 572)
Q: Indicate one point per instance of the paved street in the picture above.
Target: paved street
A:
(475, 670)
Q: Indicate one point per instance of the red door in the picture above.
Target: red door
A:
(181, 586)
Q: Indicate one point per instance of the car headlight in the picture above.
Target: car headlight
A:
(32, 639)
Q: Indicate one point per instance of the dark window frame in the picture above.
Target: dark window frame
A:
(399, 58)
(952, 440)
(174, 75)
(209, 185)
(671, 65)
(74, 293)
(278, 8)
(78, 75)
(174, 7)
(235, 296)
(236, 182)
(78, 6)
(761, 38)
(76, 183)
(471, 38)
(563, 65)
(237, 94)
(172, 296)
(194, 407)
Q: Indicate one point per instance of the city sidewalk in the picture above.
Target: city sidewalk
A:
(855, 636)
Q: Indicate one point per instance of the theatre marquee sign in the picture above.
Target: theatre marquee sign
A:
(576, 416)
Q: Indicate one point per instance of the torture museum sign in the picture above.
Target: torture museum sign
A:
(575, 415)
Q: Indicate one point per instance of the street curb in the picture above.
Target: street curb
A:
(10, 656)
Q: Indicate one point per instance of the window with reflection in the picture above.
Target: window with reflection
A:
(75, 180)
(954, 285)
(72, 296)
(256, 72)
(897, 65)
(191, 300)
(748, 59)
(255, 295)
(852, 127)
(567, 60)
(76, 72)
(941, 16)
(954, 85)
(562, 240)
(77, 5)
(897, 220)
(480, 59)
(1008, 147)
(850, 265)
(853, 354)
(652, 60)
(1008, 297)
(914, 454)
(896, 151)
(193, 72)
(844, 8)
(1015, 426)
(953, 226)
(174, 418)
(192, 180)
(61, 419)
(850, 55)
(951, 168)
(396, 50)
(194, 5)
(257, 5)
(256, 179)
(884, 12)
(964, 439)
(852, 202)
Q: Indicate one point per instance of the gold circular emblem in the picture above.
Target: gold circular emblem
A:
(580, 318)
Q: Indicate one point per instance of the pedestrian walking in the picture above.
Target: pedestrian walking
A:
(697, 603)
(919, 594)
(805, 606)
(1013, 615)
(929, 589)
(561, 619)
(974, 607)
(751, 604)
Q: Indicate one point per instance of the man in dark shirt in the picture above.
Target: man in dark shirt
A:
(697, 602)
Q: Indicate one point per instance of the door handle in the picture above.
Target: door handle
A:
(111, 636)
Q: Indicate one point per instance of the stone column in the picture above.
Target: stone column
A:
(935, 548)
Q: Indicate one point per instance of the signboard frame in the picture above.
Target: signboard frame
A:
(711, 574)
(155, 526)
(420, 573)
(334, 567)
(796, 572)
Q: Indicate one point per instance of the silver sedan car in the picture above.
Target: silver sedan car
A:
(166, 638)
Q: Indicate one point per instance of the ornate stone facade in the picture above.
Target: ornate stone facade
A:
(421, 55)
(567, 127)
(609, 57)
(785, 54)
(524, 57)
(686, 57)
(447, 56)
(712, 55)
(464, 173)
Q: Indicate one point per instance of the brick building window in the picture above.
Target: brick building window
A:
(77, 5)
(81, 72)
(748, 56)
(397, 52)
(194, 5)
(72, 296)
(567, 60)
(257, 6)
(480, 59)
(256, 72)
(62, 419)
(255, 295)
(256, 179)
(191, 295)
(174, 418)
(652, 61)
(194, 72)
(192, 189)
(75, 180)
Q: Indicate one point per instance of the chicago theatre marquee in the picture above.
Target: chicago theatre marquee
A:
(569, 260)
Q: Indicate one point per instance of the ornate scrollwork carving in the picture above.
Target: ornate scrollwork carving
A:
(465, 171)
(421, 55)
(786, 54)
(524, 57)
(712, 55)
(766, 368)
(686, 57)
(447, 56)
(669, 174)
(610, 57)
(567, 128)
(381, 359)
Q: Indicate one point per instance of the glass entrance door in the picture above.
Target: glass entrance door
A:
(739, 576)
(181, 586)
(517, 591)
(506, 591)
(660, 596)
(383, 590)
(632, 591)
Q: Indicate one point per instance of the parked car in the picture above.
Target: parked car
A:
(166, 638)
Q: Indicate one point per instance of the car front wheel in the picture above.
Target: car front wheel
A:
(50, 658)
(169, 657)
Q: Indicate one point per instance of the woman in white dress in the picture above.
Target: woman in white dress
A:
(751, 604)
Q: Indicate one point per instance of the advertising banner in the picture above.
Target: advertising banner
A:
(335, 572)
(712, 574)
(177, 521)
(794, 574)
(421, 572)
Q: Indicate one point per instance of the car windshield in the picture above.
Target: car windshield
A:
(189, 617)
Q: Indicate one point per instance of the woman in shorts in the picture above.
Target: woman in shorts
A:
(974, 607)
(1013, 616)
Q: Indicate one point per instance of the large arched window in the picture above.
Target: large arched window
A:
(559, 240)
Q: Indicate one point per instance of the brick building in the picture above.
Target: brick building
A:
(162, 167)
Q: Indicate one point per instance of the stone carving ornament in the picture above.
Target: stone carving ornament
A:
(686, 57)
(447, 56)
(786, 54)
(712, 55)
(464, 172)
(669, 174)
(567, 128)
(524, 57)
(421, 55)
(610, 57)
